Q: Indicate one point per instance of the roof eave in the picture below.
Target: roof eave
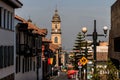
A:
(14, 3)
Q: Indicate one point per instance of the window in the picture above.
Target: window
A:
(30, 63)
(17, 64)
(4, 18)
(0, 17)
(56, 40)
(23, 66)
(11, 21)
(6, 56)
(27, 62)
(9, 55)
(34, 66)
(1, 56)
(117, 44)
(8, 20)
(56, 26)
(12, 55)
(39, 61)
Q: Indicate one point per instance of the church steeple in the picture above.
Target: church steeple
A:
(56, 29)
(56, 17)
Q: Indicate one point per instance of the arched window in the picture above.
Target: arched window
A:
(56, 40)
(56, 26)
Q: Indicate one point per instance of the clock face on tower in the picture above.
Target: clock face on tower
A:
(56, 30)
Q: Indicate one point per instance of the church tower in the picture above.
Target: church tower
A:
(56, 29)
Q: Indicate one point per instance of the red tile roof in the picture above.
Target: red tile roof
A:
(20, 19)
(46, 40)
(53, 47)
(32, 26)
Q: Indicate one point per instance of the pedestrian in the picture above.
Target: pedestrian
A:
(58, 73)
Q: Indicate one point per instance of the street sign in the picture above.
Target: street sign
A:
(83, 60)
(79, 64)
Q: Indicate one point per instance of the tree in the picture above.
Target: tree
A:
(77, 49)
(110, 72)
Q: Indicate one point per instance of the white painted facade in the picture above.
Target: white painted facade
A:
(7, 56)
(102, 49)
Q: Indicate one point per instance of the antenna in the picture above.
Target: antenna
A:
(56, 6)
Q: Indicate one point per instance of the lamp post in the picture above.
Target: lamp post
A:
(94, 36)
(84, 30)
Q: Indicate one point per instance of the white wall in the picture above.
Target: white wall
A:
(6, 71)
(6, 39)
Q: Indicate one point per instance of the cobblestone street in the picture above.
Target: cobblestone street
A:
(62, 76)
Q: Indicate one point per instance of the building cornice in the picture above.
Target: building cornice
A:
(14, 3)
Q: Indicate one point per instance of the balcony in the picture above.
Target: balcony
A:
(24, 50)
(27, 51)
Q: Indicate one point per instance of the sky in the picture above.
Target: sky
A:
(74, 15)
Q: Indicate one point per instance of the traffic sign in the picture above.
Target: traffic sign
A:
(79, 64)
(83, 60)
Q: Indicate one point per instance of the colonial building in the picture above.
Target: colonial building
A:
(7, 55)
(56, 35)
(33, 51)
(28, 50)
(114, 35)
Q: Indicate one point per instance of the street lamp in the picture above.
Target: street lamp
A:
(84, 30)
(105, 28)
(95, 35)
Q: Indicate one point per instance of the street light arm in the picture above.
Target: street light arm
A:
(97, 35)
(102, 35)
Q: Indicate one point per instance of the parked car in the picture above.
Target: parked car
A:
(71, 73)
